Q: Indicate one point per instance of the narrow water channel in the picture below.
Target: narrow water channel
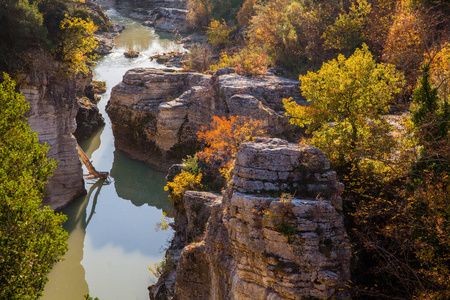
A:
(112, 236)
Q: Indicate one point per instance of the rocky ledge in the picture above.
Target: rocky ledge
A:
(160, 111)
(168, 19)
(251, 241)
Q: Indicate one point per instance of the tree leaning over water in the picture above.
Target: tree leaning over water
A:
(32, 239)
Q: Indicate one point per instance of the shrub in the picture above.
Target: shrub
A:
(224, 138)
(251, 61)
(219, 33)
(183, 182)
(198, 58)
(348, 98)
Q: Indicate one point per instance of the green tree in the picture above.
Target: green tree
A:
(21, 28)
(348, 98)
(31, 238)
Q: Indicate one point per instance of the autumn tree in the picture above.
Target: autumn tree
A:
(218, 34)
(291, 31)
(224, 137)
(348, 98)
(348, 30)
(32, 239)
(247, 11)
(77, 41)
(199, 13)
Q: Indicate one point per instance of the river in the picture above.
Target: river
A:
(112, 236)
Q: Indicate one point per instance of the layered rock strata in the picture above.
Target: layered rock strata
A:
(53, 107)
(156, 111)
(260, 246)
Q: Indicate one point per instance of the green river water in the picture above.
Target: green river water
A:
(112, 236)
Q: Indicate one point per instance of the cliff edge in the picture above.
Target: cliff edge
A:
(277, 232)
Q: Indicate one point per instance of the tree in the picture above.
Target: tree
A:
(77, 41)
(199, 13)
(21, 28)
(31, 238)
(348, 30)
(431, 118)
(348, 98)
(224, 138)
(218, 34)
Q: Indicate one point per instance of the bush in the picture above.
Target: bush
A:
(224, 138)
(198, 58)
(219, 33)
(183, 182)
(251, 61)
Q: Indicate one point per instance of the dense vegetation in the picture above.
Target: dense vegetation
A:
(377, 74)
(31, 238)
(54, 37)
(55, 30)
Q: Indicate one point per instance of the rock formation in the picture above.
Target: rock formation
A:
(168, 19)
(156, 111)
(88, 118)
(250, 244)
(53, 107)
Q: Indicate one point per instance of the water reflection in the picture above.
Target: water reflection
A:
(112, 237)
(138, 183)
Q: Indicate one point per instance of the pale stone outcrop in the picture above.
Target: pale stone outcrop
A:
(168, 19)
(258, 245)
(160, 111)
(53, 107)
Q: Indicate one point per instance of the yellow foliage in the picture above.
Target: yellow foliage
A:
(348, 30)
(199, 12)
(77, 43)
(181, 183)
(219, 33)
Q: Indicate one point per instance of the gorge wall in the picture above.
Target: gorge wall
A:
(53, 107)
(160, 111)
(252, 243)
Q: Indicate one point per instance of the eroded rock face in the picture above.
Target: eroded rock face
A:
(168, 19)
(258, 246)
(88, 119)
(53, 107)
(160, 111)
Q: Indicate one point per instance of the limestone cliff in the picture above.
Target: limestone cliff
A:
(250, 244)
(52, 114)
(156, 111)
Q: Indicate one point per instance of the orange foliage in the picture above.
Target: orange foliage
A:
(224, 138)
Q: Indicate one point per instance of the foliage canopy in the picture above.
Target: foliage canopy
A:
(31, 238)
(347, 100)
